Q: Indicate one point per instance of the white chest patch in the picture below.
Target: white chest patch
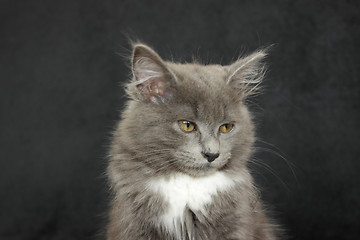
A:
(181, 191)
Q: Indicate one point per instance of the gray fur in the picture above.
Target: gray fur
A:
(148, 144)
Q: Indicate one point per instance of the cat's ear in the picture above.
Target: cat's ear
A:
(247, 73)
(152, 80)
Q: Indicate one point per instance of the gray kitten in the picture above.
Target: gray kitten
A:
(178, 158)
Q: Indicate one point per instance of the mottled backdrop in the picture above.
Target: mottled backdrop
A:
(61, 68)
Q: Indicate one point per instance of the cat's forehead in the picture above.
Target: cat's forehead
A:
(198, 72)
(207, 112)
(202, 92)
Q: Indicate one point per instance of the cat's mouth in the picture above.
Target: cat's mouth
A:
(204, 168)
(199, 165)
(196, 171)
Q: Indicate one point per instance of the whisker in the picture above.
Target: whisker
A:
(288, 163)
(268, 168)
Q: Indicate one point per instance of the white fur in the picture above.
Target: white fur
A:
(181, 191)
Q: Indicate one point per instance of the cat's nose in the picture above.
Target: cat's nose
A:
(210, 156)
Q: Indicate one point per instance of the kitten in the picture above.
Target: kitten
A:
(178, 158)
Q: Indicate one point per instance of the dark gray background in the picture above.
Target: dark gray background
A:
(61, 97)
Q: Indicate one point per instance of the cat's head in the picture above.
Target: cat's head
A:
(190, 117)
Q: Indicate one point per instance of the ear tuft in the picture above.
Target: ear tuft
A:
(152, 80)
(248, 72)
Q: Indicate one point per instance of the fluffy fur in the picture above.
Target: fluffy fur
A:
(164, 186)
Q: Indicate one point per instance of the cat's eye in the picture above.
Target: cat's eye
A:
(187, 126)
(225, 128)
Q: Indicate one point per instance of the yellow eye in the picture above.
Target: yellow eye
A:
(227, 127)
(186, 126)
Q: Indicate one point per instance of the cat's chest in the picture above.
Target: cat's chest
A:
(181, 191)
